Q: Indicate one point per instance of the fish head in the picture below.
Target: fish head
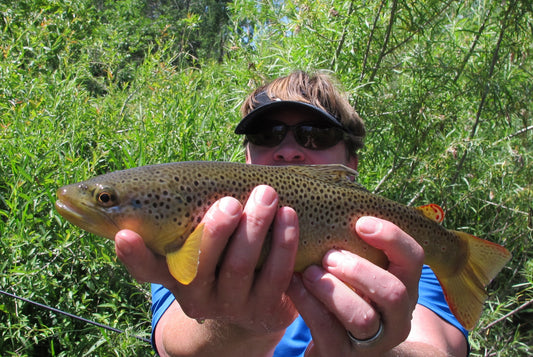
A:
(109, 203)
(92, 207)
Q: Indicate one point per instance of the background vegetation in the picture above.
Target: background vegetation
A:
(445, 88)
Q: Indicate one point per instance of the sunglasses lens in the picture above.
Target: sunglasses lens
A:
(269, 137)
(308, 136)
(316, 138)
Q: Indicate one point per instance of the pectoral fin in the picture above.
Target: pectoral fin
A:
(183, 263)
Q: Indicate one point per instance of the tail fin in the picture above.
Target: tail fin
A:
(465, 291)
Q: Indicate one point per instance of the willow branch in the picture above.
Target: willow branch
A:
(386, 41)
(521, 307)
(485, 90)
(370, 38)
(471, 50)
(420, 28)
(519, 132)
(343, 36)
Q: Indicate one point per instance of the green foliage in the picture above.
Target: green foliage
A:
(89, 87)
(444, 89)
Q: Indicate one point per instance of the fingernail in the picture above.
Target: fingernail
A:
(369, 225)
(263, 195)
(286, 218)
(122, 245)
(312, 274)
(229, 206)
(332, 258)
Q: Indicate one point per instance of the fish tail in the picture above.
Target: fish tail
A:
(465, 289)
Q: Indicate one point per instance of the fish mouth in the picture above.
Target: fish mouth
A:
(85, 216)
(67, 208)
(67, 211)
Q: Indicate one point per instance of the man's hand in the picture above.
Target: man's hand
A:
(388, 297)
(228, 288)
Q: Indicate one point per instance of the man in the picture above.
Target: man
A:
(230, 309)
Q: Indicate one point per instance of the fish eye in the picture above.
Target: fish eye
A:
(106, 198)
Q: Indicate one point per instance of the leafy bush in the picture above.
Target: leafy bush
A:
(90, 87)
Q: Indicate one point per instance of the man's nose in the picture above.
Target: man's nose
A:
(289, 151)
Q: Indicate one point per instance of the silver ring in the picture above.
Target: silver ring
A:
(369, 341)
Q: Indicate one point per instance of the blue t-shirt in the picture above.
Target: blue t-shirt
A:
(297, 336)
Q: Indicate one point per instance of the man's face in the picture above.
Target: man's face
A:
(288, 152)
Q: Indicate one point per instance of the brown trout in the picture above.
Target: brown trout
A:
(165, 204)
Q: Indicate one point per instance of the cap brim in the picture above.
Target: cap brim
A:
(250, 121)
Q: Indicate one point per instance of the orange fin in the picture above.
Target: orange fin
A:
(433, 212)
(465, 290)
(183, 263)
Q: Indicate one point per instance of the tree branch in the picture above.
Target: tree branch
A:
(386, 41)
(423, 26)
(369, 42)
(471, 50)
(343, 36)
(521, 131)
(521, 307)
(485, 90)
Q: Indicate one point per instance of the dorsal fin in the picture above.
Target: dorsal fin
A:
(433, 212)
(334, 174)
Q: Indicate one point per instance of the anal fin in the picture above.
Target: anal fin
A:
(183, 262)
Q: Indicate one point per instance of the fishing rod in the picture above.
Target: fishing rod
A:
(76, 317)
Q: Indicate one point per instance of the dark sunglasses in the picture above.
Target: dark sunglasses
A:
(311, 136)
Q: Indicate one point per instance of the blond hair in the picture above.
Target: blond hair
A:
(320, 90)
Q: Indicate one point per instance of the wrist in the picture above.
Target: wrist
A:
(238, 340)
(214, 338)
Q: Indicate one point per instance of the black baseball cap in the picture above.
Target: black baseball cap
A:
(265, 104)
